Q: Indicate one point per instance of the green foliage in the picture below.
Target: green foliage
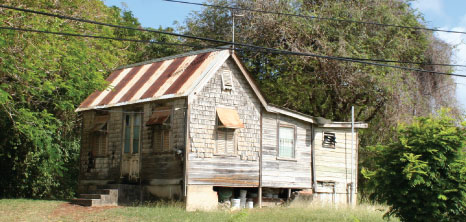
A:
(422, 173)
(45, 77)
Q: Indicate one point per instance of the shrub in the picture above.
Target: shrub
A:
(422, 173)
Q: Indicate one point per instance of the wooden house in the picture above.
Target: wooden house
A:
(189, 126)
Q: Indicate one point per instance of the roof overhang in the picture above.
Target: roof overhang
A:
(357, 125)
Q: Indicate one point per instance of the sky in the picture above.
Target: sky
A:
(442, 14)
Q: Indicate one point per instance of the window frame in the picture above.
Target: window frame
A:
(166, 126)
(99, 137)
(230, 74)
(324, 145)
(235, 144)
(132, 114)
(285, 125)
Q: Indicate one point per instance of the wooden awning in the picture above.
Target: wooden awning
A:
(99, 123)
(229, 118)
(159, 116)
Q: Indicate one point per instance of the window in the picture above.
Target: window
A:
(98, 137)
(132, 132)
(160, 123)
(329, 140)
(226, 141)
(228, 121)
(227, 80)
(286, 142)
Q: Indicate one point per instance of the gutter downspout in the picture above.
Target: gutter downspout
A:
(187, 148)
(260, 163)
(313, 159)
(352, 155)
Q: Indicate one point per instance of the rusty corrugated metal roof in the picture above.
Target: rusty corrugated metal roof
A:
(170, 76)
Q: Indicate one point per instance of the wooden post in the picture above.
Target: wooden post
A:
(260, 197)
(289, 194)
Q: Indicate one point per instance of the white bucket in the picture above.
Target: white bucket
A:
(250, 204)
(243, 202)
(242, 193)
(235, 203)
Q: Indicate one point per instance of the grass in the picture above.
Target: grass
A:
(43, 210)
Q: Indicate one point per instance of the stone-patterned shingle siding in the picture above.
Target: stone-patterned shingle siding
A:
(106, 167)
(204, 166)
(290, 173)
(157, 166)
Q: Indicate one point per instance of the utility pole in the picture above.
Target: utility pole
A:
(233, 15)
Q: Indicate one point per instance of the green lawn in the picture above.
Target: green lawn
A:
(43, 210)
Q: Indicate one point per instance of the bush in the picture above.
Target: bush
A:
(422, 173)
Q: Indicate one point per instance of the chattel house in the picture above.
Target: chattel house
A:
(195, 127)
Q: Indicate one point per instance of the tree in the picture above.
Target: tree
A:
(43, 78)
(421, 175)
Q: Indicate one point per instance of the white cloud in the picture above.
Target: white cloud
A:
(463, 21)
(458, 41)
(434, 6)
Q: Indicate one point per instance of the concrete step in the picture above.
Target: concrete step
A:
(104, 191)
(84, 202)
(100, 197)
(90, 196)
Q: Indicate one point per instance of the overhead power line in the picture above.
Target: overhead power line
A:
(257, 49)
(196, 37)
(98, 37)
(315, 17)
(192, 37)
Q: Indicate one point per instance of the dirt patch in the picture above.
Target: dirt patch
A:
(77, 212)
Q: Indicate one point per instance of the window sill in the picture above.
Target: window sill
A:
(226, 155)
(287, 159)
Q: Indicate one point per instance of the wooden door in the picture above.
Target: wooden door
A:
(131, 148)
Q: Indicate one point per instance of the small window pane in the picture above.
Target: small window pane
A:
(286, 142)
(136, 130)
(127, 139)
(329, 140)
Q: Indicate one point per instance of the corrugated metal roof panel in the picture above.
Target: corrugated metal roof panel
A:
(170, 76)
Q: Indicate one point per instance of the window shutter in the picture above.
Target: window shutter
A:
(166, 140)
(102, 144)
(221, 145)
(230, 141)
(157, 140)
(227, 80)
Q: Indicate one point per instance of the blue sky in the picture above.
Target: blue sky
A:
(444, 14)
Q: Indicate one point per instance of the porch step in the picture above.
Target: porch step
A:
(83, 202)
(101, 197)
(90, 196)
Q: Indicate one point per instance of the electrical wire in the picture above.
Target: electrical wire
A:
(260, 49)
(315, 17)
(203, 38)
(98, 37)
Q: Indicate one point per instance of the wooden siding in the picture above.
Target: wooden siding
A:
(287, 173)
(166, 166)
(206, 168)
(334, 164)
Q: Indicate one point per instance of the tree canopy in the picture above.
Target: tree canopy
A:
(45, 77)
